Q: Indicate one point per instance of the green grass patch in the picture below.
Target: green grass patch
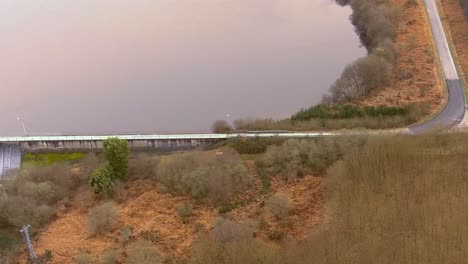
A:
(45, 159)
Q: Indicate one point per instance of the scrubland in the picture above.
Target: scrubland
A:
(377, 199)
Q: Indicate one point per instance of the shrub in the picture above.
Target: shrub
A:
(143, 252)
(221, 127)
(150, 235)
(379, 122)
(216, 175)
(58, 181)
(264, 175)
(101, 180)
(276, 235)
(232, 243)
(17, 211)
(346, 111)
(126, 233)
(184, 212)
(412, 42)
(110, 257)
(103, 218)
(360, 77)
(37, 191)
(29, 197)
(90, 163)
(83, 258)
(44, 258)
(116, 152)
(295, 158)
(142, 166)
(411, 3)
(280, 205)
(119, 193)
(252, 146)
(226, 230)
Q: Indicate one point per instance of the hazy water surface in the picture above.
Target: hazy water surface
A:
(87, 66)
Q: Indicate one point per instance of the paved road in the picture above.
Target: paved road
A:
(454, 111)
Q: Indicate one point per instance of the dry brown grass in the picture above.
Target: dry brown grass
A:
(457, 24)
(398, 200)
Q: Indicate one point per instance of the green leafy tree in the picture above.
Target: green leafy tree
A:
(116, 152)
(102, 179)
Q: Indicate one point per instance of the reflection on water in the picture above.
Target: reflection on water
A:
(89, 66)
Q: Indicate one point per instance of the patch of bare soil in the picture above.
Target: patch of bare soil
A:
(152, 215)
(458, 29)
(416, 75)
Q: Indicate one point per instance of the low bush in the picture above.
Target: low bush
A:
(217, 174)
(264, 175)
(103, 218)
(184, 212)
(296, 158)
(119, 193)
(411, 3)
(126, 233)
(232, 243)
(83, 258)
(359, 78)
(42, 191)
(30, 197)
(51, 183)
(142, 166)
(44, 258)
(320, 124)
(252, 145)
(276, 235)
(346, 111)
(143, 252)
(280, 205)
(109, 257)
(18, 211)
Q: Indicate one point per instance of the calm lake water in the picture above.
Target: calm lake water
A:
(86, 66)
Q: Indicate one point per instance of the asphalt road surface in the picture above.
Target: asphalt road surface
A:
(454, 110)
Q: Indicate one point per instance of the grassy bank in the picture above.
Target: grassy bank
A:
(44, 159)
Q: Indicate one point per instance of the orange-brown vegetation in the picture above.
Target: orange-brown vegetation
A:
(457, 23)
(152, 215)
(416, 76)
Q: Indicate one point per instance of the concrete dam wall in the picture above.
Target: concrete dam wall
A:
(97, 145)
(10, 159)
